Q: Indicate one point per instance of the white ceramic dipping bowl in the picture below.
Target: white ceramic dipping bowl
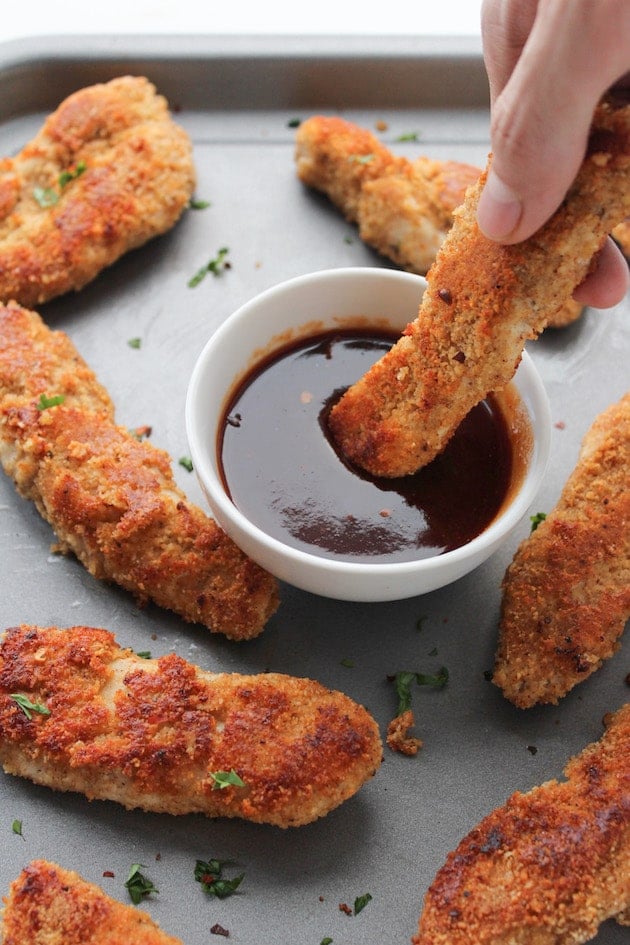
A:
(296, 309)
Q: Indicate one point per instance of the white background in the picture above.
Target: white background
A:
(325, 17)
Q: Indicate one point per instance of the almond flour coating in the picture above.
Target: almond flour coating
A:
(150, 733)
(483, 302)
(108, 171)
(112, 500)
(549, 866)
(566, 594)
(48, 905)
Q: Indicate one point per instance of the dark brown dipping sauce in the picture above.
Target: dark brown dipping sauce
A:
(281, 469)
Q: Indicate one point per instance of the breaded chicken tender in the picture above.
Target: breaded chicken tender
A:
(108, 171)
(403, 208)
(549, 866)
(48, 905)
(483, 302)
(566, 594)
(156, 733)
(111, 499)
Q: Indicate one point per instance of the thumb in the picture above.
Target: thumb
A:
(541, 117)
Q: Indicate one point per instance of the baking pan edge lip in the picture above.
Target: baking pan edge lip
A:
(23, 51)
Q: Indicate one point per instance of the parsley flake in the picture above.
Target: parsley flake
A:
(361, 902)
(294, 123)
(45, 402)
(137, 885)
(361, 158)
(66, 176)
(223, 779)
(349, 664)
(186, 462)
(537, 519)
(29, 707)
(144, 654)
(135, 342)
(16, 827)
(410, 136)
(210, 874)
(215, 266)
(45, 196)
(404, 679)
(326, 941)
(196, 204)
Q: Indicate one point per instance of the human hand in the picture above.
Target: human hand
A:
(549, 62)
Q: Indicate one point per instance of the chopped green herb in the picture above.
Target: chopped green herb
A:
(326, 941)
(48, 196)
(134, 342)
(348, 240)
(294, 123)
(434, 651)
(349, 664)
(210, 875)
(186, 462)
(195, 204)
(410, 136)
(29, 707)
(404, 679)
(144, 654)
(223, 779)
(361, 902)
(537, 519)
(45, 196)
(215, 266)
(16, 827)
(420, 622)
(361, 158)
(66, 176)
(45, 402)
(137, 885)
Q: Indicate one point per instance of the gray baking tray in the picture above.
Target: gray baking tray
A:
(236, 97)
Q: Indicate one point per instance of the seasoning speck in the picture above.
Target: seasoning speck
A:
(219, 930)
(445, 295)
(460, 357)
(306, 397)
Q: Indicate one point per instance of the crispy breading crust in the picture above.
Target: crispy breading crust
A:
(48, 905)
(138, 179)
(148, 733)
(403, 208)
(549, 866)
(621, 233)
(483, 302)
(111, 499)
(566, 594)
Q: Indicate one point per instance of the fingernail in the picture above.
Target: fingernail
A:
(499, 209)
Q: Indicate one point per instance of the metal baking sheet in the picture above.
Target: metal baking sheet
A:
(237, 97)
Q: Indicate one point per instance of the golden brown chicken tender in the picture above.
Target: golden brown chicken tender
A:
(158, 733)
(111, 499)
(108, 171)
(483, 302)
(48, 905)
(403, 208)
(566, 594)
(549, 866)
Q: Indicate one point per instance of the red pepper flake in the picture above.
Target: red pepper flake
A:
(460, 357)
(344, 907)
(560, 425)
(446, 296)
(219, 930)
(109, 874)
